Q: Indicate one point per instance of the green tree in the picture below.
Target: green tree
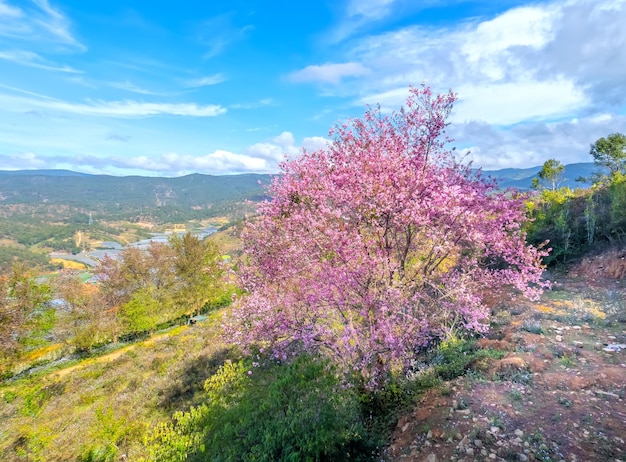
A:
(551, 173)
(610, 152)
(83, 319)
(25, 315)
(136, 270)
(173, 280)
(141, 312)
(198, 271)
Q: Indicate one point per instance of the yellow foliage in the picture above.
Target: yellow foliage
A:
(68, 264)
(42, 352)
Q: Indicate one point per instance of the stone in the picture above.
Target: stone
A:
(559, 338)
(431, 458)
(522, 457)
(469, 452)
(519, 433)
(478, 443)
(614, 347)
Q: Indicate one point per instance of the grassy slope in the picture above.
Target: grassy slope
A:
(108, 402)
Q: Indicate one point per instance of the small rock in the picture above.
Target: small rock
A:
(614, 347)
(522, 457)
(494, 430)
(478, 443)
(519, 433)
(576, 327)
(605, 393)
(469, 451)
(431, 458)
(492, 456)
(429, 435)
(559, 338)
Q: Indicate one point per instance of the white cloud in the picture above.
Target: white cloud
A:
(530, 144)
(314, 143)
(219, 33)
(534, 82)
(26, 92)
(24, 161)
(275, 149)
(374, 9)
(41, 23)
(512, 102)
(261, 157)
(9, 11)
(31, 59)
(329, 73)
(56, 24)
(120, 109)
(253, 105)
(129, 86)
(130, 108)
(528, 26)
(206, 81)
(528, 63)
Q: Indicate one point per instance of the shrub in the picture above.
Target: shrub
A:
(297, 411)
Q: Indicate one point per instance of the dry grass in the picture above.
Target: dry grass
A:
(69, 264)
(107, 402)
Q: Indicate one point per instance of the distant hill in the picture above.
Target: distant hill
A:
(128, 195)
(521, 178)
(50, 172)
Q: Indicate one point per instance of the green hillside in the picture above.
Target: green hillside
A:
(127, 195)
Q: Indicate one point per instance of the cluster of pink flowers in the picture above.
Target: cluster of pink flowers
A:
(380, 243)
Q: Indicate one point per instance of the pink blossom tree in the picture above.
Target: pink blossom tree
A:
(378, 244)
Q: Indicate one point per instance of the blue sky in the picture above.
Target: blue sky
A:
(170, 88)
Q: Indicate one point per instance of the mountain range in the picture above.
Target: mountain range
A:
(521, 178)
(195, 191)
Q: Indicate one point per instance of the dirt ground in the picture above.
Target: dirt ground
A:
(559, 393)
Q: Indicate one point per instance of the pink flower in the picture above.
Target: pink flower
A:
(379, 243)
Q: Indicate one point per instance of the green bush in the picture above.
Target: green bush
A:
(291, 412)
(454, 356)
(575, 221)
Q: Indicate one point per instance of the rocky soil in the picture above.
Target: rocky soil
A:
(558, 394)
